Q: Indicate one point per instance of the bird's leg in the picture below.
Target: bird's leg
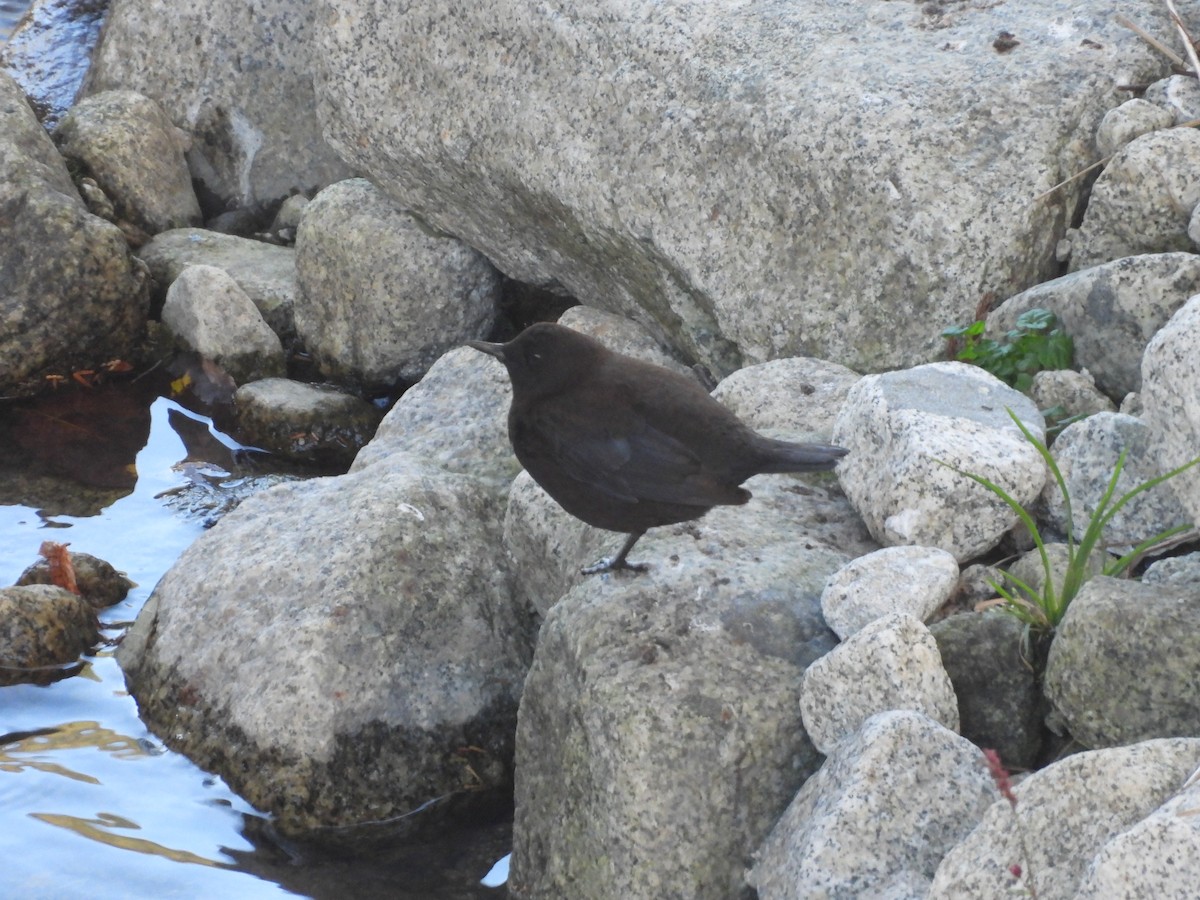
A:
(612, 563)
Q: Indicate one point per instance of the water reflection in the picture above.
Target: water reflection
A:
(49, 51)
(87, 438)
(29, 748)
(92, 804)
(10, 12)
(97, 829)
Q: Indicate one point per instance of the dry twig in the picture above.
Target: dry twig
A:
(1152, 41)
(1188, 46)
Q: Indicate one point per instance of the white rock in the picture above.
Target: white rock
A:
(913, 580)
(1064, 814)
(1171, 400)
(381, 295)
(1143, 200)
(905, 429)
(1130, 120)
(892, 663)
(1111, 311)
(1086, 453)
(675, 160)
(878, 817)
(1158, 857)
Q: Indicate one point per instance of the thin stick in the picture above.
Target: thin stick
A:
(1097, 164)
(1191, 123)
(1152, 41)
(1187, 38)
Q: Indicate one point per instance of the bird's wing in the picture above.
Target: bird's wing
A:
(631, 458)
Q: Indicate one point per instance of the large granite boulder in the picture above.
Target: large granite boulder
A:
(753, 180)
(71, 296)
(237, 77)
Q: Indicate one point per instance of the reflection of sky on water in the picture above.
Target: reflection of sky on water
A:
(90, 804)
(10, 12)
(138, 534)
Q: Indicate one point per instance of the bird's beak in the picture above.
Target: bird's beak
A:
(496, 350)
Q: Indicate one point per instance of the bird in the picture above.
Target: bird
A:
(626, 445)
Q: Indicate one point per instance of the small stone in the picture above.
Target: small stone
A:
(1130, 120)
(304, 421)
(42, 628)
(913, 580)
(210, 313)
(1075, 393)
(892, 663)
(98, 582)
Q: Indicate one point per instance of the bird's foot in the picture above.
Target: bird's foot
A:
(613, 564)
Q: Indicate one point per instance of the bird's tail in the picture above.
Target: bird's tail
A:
(784, 456)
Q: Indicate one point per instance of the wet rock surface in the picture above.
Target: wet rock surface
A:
(43, 628)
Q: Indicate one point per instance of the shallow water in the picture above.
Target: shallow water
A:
(48, 55)
(10, 12)
(91, 803)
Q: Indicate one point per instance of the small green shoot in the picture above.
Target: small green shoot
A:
(1037, 342)
(1042, 609)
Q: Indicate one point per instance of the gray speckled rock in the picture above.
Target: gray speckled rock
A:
(1142, 201)
(1179, 93)
(1130, 120)
(330, 644)
(266, 272)
(456, 416)
(1073, 392)
(622, 335)
(1029, 568)
(237, 78)
(308, 422)
(1111, 311)
(977, 583)
(1065, 813)
(902, 426)
(125, 141)
(1171, 400)
(659, 738)
(888, 804)
(999, 697)
(210, 313)
(71, 296)
(913, 580)
(788, 516)
(1158, 857)
(892, 663)
(546, 545)
(1124, 662)
(381, 295)
(675, 160)
(1086, 453)
(1179, 571)
(795, 399)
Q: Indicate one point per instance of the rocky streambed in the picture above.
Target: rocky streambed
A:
(796, 698)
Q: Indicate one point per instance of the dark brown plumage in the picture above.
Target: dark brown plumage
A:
(626, 445)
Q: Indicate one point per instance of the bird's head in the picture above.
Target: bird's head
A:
(544, 358)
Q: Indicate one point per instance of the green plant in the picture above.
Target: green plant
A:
(1037, 342)
(1043, 608)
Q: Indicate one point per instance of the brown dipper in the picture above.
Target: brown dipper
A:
(626, 445)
